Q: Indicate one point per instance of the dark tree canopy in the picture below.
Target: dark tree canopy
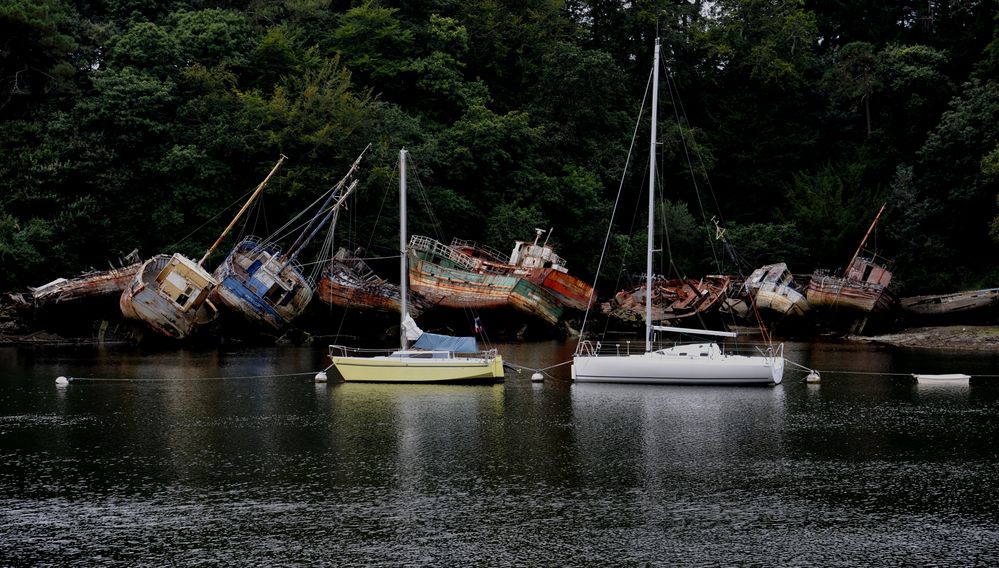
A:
(138, 125)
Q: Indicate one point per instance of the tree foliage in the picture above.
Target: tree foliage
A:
(133, 124)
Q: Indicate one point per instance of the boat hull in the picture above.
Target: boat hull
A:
(144, 300)
(391, 369)
(656, 368)
(567, 289)
(250, 288)
(455, 288)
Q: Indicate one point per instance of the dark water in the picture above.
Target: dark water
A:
(183, 462)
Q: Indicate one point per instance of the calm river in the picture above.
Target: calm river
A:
(237, 457)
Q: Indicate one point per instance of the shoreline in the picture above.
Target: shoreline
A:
(959, 337)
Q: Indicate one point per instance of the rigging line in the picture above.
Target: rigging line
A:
(617, 201)
(674, 94)
(238, 200)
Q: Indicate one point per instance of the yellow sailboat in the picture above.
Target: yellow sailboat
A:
(433, 358)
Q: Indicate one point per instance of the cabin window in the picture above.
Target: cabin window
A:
(867, 272)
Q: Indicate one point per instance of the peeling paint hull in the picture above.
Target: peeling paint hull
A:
(144, 301)
(93, 285)
(454, 287)
(349, 283)
(673, 300)
(252, 286)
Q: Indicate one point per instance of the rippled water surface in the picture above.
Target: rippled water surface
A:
(237, 457)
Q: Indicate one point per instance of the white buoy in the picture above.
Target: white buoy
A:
(62, 381)
(813, 377)
(321, 377)
(537, 378)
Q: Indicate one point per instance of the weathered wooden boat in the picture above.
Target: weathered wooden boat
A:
(539, 264)
(966, 306)
(861, 290)
(93, 284)
(349, 283)
(774, 292)
(674, 300)
(266, 286)
(449, 278)
(169, 293)
(432, 358)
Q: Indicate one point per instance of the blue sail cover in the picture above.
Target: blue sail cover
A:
(436, 342)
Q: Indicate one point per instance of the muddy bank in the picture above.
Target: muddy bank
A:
(967, 337)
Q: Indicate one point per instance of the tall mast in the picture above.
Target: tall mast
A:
(864, 240)
(256, 192)
(403, 272)
(652, 191)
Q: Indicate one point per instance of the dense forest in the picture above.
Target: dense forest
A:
(130, 124)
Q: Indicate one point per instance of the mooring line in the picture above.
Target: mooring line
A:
(178, 379)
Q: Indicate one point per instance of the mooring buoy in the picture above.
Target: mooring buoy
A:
(813, 377)
(62, 381)
(321, 377)
(537, 378)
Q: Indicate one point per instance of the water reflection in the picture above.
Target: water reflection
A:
(198, 466)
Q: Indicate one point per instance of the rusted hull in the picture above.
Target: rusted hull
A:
(828, 292)
(250, 288)
(349, 283)
(673, 300)
(93, 285)
(958, 303)
(568, 290)
(143, 302)
(780, 299)
(456, 288)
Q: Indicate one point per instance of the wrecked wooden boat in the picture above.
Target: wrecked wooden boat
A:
(169, 293)
(348, 282)
(675, 301)
(266, 286)
(95, 284)
(969, 306)
(449, 278)
(775, 293)
(539, 264)
(861, 290)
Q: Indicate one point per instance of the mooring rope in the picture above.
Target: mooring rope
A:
(179, 379)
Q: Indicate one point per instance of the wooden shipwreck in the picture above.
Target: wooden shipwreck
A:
(969, 306)
(349, 283)
(448, 277)
(861, 290)
(537, 263)
(774, 292)
(95, 284)
(267, 286)
(675, 301)
(169, 293)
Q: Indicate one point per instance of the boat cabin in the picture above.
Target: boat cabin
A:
(867, 270)
(185, 282)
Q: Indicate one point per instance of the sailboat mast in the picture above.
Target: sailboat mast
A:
(258, 191)
(652, 190)
(403, 272)
(864, 240)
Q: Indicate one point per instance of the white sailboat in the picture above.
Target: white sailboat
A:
(693, 364)
(433, 358)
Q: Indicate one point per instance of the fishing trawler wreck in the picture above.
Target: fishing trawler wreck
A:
(169, 293)
(849, 299)
(267, 286)
(675, 301)
(450, 278)
(349, 283)
(537, 263)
